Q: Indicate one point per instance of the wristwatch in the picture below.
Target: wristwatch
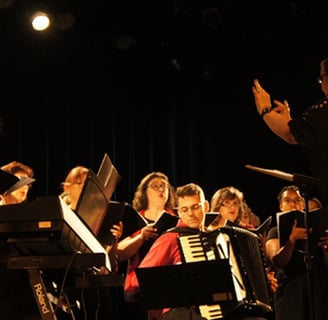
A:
(265, 111)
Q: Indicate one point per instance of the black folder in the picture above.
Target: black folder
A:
(132, 221)
(263, 227)
(186, 284)
(165, 222)
(317, 222)
(210, 217)
(116, 212)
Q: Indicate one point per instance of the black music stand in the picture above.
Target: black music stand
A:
(187, 284)
(306, 185)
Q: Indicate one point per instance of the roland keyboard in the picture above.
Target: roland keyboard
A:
(46, 227)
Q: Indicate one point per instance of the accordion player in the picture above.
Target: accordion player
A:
(248, 267)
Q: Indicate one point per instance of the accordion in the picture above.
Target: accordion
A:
(243, 248)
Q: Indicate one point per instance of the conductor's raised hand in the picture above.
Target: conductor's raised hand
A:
(261, 96)
(263, 101)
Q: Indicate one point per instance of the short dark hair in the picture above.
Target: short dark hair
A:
(190, 189)
(287, 188)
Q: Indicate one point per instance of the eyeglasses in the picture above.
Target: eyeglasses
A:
(158, 186)
(194, 207)
(319, 78)
(228, 204)
(289, 200)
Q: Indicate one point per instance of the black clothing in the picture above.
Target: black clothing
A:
(310, 130)
(192, 313)
(99, 303)
(291, 300)
(16, 296)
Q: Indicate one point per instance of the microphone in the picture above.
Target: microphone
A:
(299, 179)
(275, 173)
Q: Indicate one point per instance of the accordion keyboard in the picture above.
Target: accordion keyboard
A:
(195, 248)
(211, 312)
(243, 249)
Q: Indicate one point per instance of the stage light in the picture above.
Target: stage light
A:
(40, 21)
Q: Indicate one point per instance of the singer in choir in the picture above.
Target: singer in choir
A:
(302, 291)
(191, 206)
(248, 217)
(154, 194)
(228, 202)
(20, 170)
(72, 187)
(102, 302)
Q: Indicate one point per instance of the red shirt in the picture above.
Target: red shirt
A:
(130, 286)
(165, 251)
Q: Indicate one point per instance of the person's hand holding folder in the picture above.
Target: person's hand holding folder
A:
(297, 233)
(149, 232)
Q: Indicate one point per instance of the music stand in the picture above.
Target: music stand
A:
(306, 185)
(187, 284)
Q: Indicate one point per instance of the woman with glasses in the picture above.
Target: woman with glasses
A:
(309, 129)
(153, 195)
(294, 299)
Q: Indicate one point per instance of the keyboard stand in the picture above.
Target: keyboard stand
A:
(34, 265)
(40, 294)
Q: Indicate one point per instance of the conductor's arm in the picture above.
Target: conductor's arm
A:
(277, 116)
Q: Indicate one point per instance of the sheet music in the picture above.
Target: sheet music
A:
(84, 233)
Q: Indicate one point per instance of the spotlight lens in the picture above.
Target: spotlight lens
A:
(40, 22)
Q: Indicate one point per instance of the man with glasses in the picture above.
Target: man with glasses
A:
(309, 129)
(292, 298)
(166, 250)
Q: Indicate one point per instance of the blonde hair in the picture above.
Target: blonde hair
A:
(76, 175)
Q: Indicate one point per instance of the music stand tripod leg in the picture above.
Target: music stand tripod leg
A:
(40, 294)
